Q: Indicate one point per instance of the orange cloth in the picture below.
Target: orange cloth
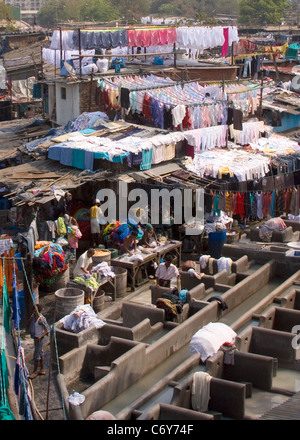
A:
(8, 267)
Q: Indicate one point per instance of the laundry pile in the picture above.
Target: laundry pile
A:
(104, 270)
(210, 338)
(48, 263)
(88, 281)
(223, 263)
(81, 318)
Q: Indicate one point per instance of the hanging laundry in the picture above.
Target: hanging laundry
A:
(125, 102)
(259, 204)
(237, 119)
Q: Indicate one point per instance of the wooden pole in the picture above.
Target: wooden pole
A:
(60, 41)
(27, 287)
(175, 55)
(275, 64)
(80, 56)
(261, 93)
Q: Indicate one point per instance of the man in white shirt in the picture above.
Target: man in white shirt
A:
(166, 271)
(84, 264)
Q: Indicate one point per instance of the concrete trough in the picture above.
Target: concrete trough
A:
(125, 368)
(164, 411)
(139, 322)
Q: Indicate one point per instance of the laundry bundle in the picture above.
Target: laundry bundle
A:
(81, 318)
(48, 263)
(88, 281)
(210, 338)
(107, 231)
(104, 270)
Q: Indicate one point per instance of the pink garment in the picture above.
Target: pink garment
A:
(225, 44)
(172, 35)
(144, 38)
(151, 37)
(154, 37)
(206, 118)
(74, 236)
(163, 36)
(131, 35)
(267, 200)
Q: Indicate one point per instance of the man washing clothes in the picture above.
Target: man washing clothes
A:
(166, 271)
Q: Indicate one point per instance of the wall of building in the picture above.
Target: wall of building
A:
(88, 97)
(288, 122)
(67, 102)
(49, 103)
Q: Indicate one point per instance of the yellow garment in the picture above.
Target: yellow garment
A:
(94, 211)
(224, 170)
(61, 227)
(228, 198)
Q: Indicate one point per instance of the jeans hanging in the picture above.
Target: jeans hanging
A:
(247, 67)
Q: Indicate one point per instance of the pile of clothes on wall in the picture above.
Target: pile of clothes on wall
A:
(49, 261)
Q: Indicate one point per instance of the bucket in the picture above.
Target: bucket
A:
(66, 300)
(98, 301)
(216, 241)
(121, 281)
(100, 256)
(113, 252)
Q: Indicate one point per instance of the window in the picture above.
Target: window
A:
(63, 93)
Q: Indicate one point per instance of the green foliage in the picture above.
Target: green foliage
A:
(169, 10)
(204, 19)
(131, 9)
(262, 12)
(190, 8)
(5, 11)
(54, 11)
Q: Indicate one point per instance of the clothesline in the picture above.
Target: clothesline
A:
(174, 84)
(195, 37)
(13, 258)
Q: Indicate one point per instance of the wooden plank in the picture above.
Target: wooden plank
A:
(33, 176)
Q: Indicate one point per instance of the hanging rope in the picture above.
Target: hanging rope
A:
(58, 369)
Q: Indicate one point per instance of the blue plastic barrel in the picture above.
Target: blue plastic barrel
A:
(216, 241)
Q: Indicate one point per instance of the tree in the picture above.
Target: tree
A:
(262, 12)
(131, 10)
(97, 10)
(190, 8)
(54, 11)
(5, 11)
